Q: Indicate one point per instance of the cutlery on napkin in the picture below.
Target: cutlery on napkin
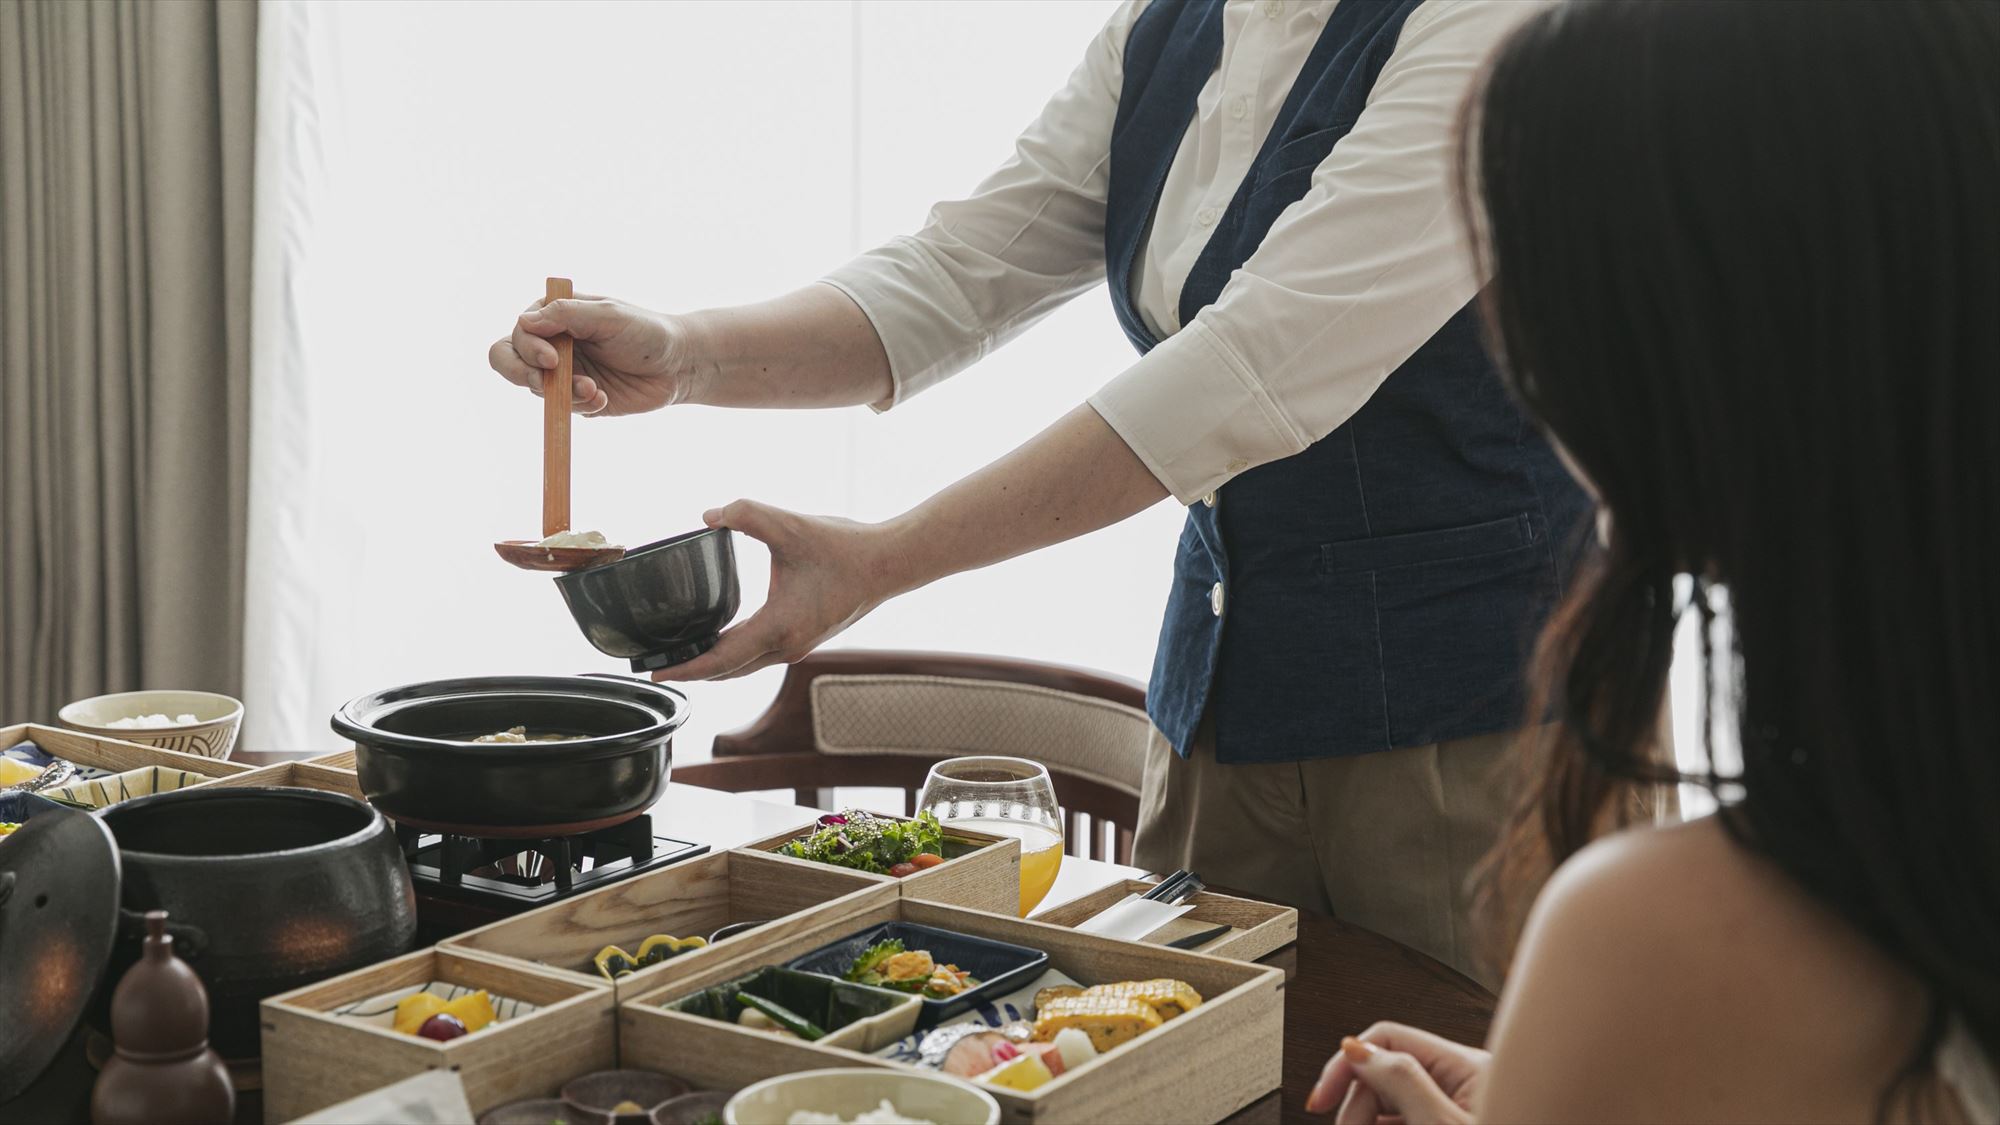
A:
(1136, 915)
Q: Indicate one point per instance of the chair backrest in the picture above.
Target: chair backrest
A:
(928, 715)
(882, 718)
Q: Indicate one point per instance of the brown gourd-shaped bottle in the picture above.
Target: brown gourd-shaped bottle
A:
(163, 1071)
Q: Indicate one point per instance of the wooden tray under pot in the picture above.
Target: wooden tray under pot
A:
(313, 1059)
(339, 760)
(1257, 928)
(1202, 1066)
(986, 875)
(692, 898)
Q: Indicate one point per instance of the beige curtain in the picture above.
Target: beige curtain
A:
(125, 181)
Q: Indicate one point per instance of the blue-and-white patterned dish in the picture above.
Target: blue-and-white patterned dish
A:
(927, 1048)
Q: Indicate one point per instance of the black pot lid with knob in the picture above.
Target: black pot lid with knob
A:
(59, 875)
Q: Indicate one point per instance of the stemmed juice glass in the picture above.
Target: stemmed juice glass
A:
(1002, 797)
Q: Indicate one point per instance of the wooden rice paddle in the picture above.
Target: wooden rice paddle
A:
(555, 466)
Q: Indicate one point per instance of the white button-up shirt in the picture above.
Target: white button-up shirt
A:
(1348, 283)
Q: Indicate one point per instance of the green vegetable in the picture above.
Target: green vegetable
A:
(863, 969)
(786, 1018)
(868, 843)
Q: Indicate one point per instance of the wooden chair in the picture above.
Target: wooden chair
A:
(882, 718)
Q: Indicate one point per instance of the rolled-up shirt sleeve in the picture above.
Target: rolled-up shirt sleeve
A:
(1350, 281)
(1029, 238)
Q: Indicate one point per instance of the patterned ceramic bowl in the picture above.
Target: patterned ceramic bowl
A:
(212, 734)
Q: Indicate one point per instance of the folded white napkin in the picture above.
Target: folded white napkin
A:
(1131, 918)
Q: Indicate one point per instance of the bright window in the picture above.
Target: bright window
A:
(425, 165)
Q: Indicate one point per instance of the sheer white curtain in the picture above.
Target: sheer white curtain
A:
(424, 165)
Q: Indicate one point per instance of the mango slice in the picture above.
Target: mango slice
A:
(412, 1011)
(474, 1010)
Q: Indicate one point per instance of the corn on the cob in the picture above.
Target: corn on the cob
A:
(1108, 1020)
(1169, 998)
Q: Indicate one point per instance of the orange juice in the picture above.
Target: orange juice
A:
(1041, 854)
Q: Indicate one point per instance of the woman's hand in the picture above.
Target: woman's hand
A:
(1393, 1071)
(826, 574)
(628, 359)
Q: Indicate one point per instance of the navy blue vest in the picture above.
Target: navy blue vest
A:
(1383, 588)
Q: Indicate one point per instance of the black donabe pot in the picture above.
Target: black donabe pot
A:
(417, 762)
(265, 890)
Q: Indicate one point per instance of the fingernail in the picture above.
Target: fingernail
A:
(1356, 1051)
(532, 314)
(712, 517)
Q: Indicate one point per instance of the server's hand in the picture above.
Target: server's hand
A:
(826, 574)
(628, 359)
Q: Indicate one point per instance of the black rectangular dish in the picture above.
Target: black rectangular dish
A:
(999, 967)
(848, 1015)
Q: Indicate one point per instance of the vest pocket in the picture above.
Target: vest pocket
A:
(1387, 552)
(1456, 639)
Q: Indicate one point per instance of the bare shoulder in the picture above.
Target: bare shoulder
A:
(1672, 973)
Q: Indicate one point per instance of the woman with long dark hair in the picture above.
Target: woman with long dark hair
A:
(1747, 275)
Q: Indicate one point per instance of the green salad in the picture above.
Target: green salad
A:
(866, 842)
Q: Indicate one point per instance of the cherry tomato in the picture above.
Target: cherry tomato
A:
(903, 869)
(926, 859)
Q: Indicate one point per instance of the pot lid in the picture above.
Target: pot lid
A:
(58, 918)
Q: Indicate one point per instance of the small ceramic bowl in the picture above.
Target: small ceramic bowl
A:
(211, 735)
(606, 1090)
(692, 1109)
(542, 1111)
(662, 604)
(855, 1091)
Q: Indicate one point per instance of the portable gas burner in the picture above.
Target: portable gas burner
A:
(466, 881)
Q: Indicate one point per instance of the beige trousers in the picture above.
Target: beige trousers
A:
(1385, 840)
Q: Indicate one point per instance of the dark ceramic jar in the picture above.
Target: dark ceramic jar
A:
(266, 889)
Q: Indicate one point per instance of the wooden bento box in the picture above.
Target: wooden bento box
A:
(1256, 928)
(298, 775)
(313, 1058)
(693, 898)
(983, 872)
(121, 760)
(1234, 1040)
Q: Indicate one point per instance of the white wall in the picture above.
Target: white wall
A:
(425, 165)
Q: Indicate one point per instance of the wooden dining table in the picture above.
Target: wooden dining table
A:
(1339, 978)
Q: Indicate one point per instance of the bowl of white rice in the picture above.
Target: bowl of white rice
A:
(193, 722)
(861, 1096)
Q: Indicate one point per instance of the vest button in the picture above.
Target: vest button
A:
(1215, 598)
(1208, 498)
